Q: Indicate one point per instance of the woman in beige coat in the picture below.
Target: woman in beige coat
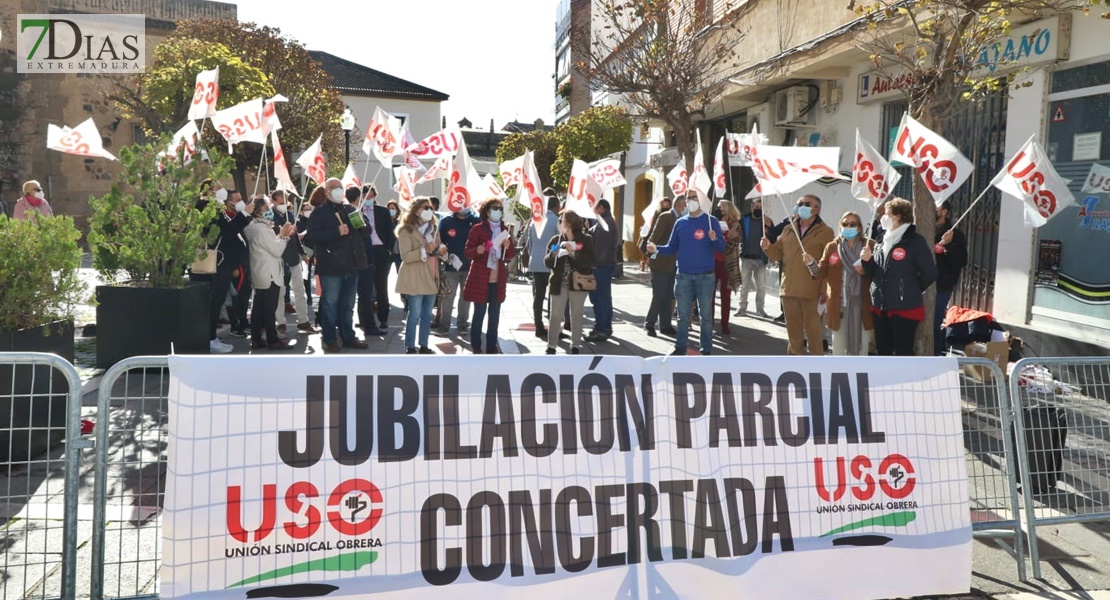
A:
(420, 250)
(849, 288)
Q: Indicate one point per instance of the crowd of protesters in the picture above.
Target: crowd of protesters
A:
(863, 283)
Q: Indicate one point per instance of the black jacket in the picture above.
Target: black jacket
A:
(293, 250)
(335, 254)
(229, 245)
(900, 277)
(384, 227)
(605, 242)
(952, 260)
(582, 261)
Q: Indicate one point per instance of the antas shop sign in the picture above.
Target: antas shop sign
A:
(1030, 45)
(72, 43)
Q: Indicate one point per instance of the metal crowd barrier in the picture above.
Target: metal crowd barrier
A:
(1063, 410)
(40, 437)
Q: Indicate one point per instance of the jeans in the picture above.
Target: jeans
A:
(602, 299)
(494, 319)
(662, 294)
(337, 307)
(939, 344)
(539, 294)
(262, 314)
(456, 280)
(754, 274)
(687, 289)
(420, 313)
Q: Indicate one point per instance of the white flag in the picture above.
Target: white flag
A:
(241, 123)
(350, 178)
(441, 169)
(205, 94)
(720, 176)
(281, 166)
(383, 137)
(83, 140)
(578, 196)
(512, 171)
(1098, 180)
(1029, 177)
(869, 174)
(785, 169)
(700, 180)
(312, 161)
(678, 179)
(740, 146)
(458, 192)
(185, 142)
(607, 173)
(443, 143)
(941, 165)
(404, 185)
(491, 188)
(270, 121)
(411, 160)
(528, 193)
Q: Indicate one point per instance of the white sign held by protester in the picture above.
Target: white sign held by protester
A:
(528, 193)
(205, 94)
(785, 169)
(678, 179)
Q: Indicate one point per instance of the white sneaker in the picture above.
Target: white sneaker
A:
(217, 347)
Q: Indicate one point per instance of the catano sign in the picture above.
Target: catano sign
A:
(1037, 43)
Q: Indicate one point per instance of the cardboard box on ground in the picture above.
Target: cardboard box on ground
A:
(997, 351)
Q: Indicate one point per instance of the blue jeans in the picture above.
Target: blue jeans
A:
(494, 319)
(688, 288)
(602, 299)
(420, 311)
(337, 307)
(938, 318)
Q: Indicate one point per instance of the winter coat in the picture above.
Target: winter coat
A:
(659, 235)
(605, 242)
(831, 270)
(797, 282)
(582, 261)
(476, 288)
(419, 274)
(335, 254)
(900, 277)
(266, 249)
(731, 256)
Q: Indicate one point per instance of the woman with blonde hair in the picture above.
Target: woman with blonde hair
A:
(848, 312)
(420, 249)
(32, 202)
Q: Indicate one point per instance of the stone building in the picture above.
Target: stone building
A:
(29, 102)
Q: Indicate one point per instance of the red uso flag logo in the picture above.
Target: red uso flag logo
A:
(699, 234)
(898, 253)
(834, 259)
(872, 177)
(942, 167)
(1029, 177)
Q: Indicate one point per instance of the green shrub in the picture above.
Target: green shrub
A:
(39, 262)
(149, 228)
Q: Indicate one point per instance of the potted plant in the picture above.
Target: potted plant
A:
(144, 234)
(39, 285)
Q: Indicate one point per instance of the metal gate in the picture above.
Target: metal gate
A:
(979, 132)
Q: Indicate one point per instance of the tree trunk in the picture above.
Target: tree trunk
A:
(684, 141)
(239, 175)
(925, 220)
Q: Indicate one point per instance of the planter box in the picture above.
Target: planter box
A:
(33, 397)
(138, 321)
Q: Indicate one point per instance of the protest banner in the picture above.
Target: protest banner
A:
(872, 176)
(83, 140)
(205, 94)
(443, 143)
(312, 161)
(241, 123)
(528, 192)
(383, 137)
(1030, 177)
(720, 176)
(678, 179)
(595, 477)
(941, 165)
(281, 166)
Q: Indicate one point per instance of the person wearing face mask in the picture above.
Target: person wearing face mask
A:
(849, 289)
(32, 203)
(489, 248)
(694, 241)
(606, 248)
(753, 261)
(802, 288)
(454, 230)
(541, 273)
(663, 269)
(231, 256)
(421, 251)
(569, 253)
(309, 269)
(950, 250)
(340, 255)
(380, 241)
(294, 260)
(901, 268)
(267, 273)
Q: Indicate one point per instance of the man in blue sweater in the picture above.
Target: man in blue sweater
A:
(694, 240)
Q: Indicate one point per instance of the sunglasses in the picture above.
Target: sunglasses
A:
(849, 224)
(38, 189)
(809, 204)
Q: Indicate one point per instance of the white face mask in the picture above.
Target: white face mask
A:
(337, 195)
(495, 215)
(281, 208)
(426, 215)
(886, 222)
(40, 195)
(221, 195)
(393, 212)
(693, 206)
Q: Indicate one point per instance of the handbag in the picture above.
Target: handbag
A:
(206, 265)
(583, 283)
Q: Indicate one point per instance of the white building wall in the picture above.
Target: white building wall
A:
(423, 118)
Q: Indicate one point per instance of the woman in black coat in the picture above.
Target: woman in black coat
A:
(901, 268)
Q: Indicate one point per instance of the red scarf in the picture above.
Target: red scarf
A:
(33, 201)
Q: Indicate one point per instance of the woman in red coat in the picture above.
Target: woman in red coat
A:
(489, 247)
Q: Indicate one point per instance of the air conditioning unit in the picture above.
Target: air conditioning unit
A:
(791, 105)
(759, 116)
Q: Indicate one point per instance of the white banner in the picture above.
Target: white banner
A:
(205, 94)
(528, 192)
(872, 176)
(607, 173)
(785, 169)
(700, 180)
(512, 171)
(405, 185)
(270, 120)
(740, 146)
(383, 137)
(241, 123)
(579, 200)
(83, 140)
(941, 165)
(184, 141)
(443, 143)
(312, 161)
(565, 477)
(281, 166)
(350, 178)
(440, 169)
(720, 177)
(1030, 177)
(1098, 180)
(678, 179)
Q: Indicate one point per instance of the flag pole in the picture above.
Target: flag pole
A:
(793, 225)
(971, 206)
(258, 174)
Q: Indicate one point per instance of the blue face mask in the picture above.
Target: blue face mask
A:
(269, 214)
(803, 212)
(849, 233)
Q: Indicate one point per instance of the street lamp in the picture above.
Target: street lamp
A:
(347, 122)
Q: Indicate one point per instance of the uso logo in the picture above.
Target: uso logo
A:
(834, 259)
(898, 253)
(699, 234)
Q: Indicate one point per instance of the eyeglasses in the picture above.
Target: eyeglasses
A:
(809, 204)
(849, 224)
(38, 189)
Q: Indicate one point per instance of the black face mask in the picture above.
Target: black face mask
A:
(757, 213)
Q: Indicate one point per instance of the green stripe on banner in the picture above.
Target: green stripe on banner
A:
(352, 561)
(898, 519)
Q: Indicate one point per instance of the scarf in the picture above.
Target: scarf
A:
(849, 254)
(891, 239)
(851, 317)
(495, 249)
(428, 232)
(33, 201)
